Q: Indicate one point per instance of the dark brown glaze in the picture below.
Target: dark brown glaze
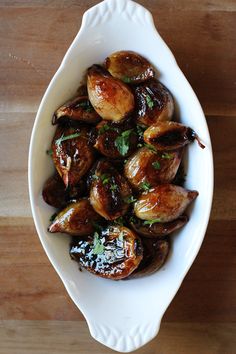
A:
(155, 253)
(72, 157)
(158, 229)
(54, 192)
(77, 191)
(129, 67)
(114, 254)
(76, 219)
(109, 191)
(57, 195)
(170, 136)
(78, 109)
(110, 97)
(146, 165)
(107, 133)
(154, 103)
(165, 202)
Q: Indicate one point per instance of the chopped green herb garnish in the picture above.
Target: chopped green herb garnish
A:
(130, 199)
(140, 130)
(126, 79)
(95, 177)
(53, 217)
(150, 222)
(49, 152)
(166, 155)
(104, 129)
(122, 142)
(98, 247)
(156, 165)
(140, 145)
(150, 147)
(125, 160)
(132, 219)
(105, 178)
(113, 187)
(149, 101)
(145, 186)
(68, 137)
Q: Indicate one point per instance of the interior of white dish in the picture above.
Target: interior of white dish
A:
(125, 306)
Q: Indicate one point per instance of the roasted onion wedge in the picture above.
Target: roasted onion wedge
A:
(154, 103)
(110, 97)
(114, 254)
(54, 192)
(76, 219)
(155, 253)
(115, 140)
(170, 136)
(157, 229)
(78, 109)
(57, 195)
(72, 155)
(153, 167)
(109, 191)
(163, 203)
(129, 67)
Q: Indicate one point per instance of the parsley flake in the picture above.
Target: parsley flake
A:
(150, 222)
(150, 147)
(122, 142)
(130, 199)
(156, 165)
(149, 101)
(105, 178)
(165, 155)
(103, 129)
(132, 219)
(113, 187)
(98, 247)
(145, 186)
(53, 217)
(126, 79)
(95, 177)
(68, 137)
(140, 130)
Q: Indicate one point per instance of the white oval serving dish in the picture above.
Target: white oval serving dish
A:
(123, 315)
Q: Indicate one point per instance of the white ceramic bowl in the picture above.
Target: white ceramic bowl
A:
(123, 315)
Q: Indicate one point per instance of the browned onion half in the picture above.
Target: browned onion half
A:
(164, 203)
(110, 97)
(114, 254)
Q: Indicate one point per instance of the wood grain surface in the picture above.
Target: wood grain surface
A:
(37, 315)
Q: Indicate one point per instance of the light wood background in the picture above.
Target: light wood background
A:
(37, 316)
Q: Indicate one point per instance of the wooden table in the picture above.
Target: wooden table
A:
(37, 315)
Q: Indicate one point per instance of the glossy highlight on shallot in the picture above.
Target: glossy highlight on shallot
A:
(118, 157)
